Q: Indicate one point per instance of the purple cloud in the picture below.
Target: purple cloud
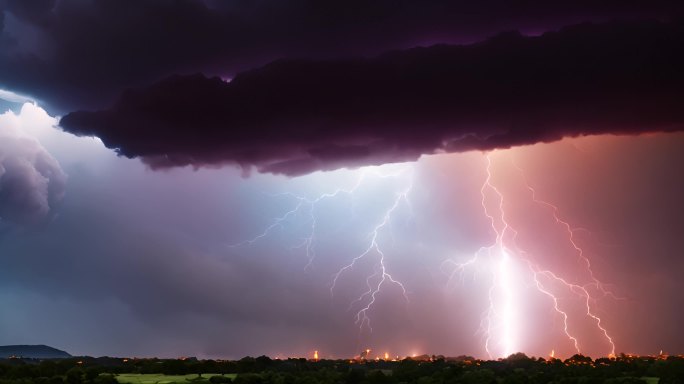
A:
(297, 116)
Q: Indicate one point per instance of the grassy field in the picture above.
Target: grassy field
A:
(132, 378)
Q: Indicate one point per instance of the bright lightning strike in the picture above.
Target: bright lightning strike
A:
(500, 318)
(500, 321)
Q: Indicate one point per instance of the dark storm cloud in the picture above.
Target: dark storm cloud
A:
(298, 116)
(80, 54)
(35, 11)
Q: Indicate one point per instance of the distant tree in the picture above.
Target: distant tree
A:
(518, 376)
(74, 376)
(355, 376)
(479, 376)
(210, 366)
(56, 380)
(20, 371)
(517, 357)
(307, 379)
(249, 378)
(246, 364)
(92, 372)
(262, 363)
(377, 377)
(589, 380)
(173, 367)
(624, 380)
(519, 360)
(578, 359)
(220, 380)
(105, 379)
(47, 368)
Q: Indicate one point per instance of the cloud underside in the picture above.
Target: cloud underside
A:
(298, 116)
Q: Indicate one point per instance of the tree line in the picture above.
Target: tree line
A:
(516, 369)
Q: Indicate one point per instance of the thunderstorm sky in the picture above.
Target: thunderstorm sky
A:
(435, 200)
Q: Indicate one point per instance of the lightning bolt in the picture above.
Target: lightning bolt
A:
(556, 306)
(499, 321)
(380, 276)
(305, 206)
(581, 290)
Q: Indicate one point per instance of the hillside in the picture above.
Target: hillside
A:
(32, 351)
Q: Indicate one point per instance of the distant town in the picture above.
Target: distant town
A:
(46, 365)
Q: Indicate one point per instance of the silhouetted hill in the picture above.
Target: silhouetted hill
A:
(32, 351)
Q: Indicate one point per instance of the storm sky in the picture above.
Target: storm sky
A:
(231, 178)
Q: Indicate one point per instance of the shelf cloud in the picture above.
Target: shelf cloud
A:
(294, 117)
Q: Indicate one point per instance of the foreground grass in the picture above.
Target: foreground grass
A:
(136, 378)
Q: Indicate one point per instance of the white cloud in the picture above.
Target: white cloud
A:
(31, 179)
(14, 97)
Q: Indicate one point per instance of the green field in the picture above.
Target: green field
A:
(134, 378)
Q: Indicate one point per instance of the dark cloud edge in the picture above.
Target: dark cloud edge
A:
(294, 117)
